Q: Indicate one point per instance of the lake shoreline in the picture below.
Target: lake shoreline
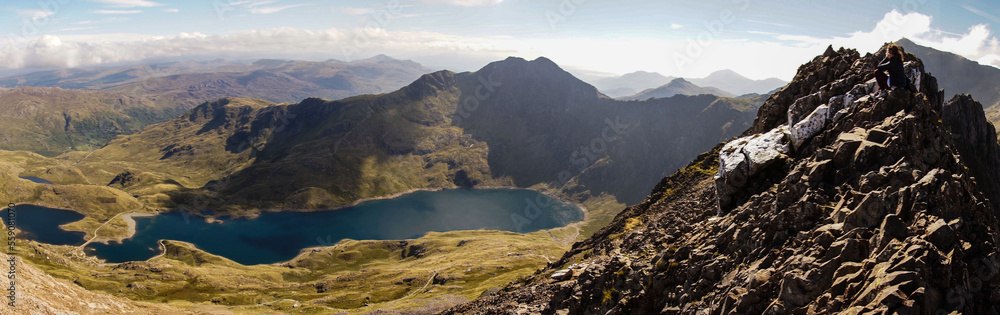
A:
(256, 214)
(514, 210)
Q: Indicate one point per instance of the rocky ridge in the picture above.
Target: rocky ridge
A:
(833, 202)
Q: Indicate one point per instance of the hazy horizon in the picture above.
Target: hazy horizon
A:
(681, 38)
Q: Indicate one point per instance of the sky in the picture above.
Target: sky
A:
(758, 39)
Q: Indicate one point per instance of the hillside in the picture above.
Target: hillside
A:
(867, 205)
(675, 87)
(40, 293)
(99, 104)
(52, 121)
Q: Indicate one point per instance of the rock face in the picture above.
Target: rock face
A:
(800, 127)
(887, 207)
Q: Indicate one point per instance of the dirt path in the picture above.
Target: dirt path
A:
(129, 221)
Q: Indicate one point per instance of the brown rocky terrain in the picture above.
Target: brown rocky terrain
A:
(39, 293)
(880, 205)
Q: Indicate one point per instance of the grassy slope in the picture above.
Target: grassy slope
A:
(51, 121)
(357, 276)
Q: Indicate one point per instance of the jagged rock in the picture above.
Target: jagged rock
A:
(561, 275)
(940, 234)
(892, 228)
(802, 107)
(125, 179)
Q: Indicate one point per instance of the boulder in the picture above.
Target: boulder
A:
(743, 157)
(809, 126)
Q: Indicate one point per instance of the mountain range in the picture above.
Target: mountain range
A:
(191, 83)
(676, 86)
(52, 112)
(728, 81)
(513, 122)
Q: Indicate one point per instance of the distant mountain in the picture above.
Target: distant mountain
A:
(675, 87)
(513, 122)
(732, 82)
(959, 75)
(105, 77)
(630, 83)
(726, 80)
(51, 121)
(191, 83)
(110, 102)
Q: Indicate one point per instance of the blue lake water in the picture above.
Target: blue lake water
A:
(42, 224)
(37, 180)
(276, 237)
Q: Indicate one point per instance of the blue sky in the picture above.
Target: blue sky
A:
(756, 38)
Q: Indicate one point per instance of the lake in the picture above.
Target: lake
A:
(278, 236)
(42, 224)
(37, 180)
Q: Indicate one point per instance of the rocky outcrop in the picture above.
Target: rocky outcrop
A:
(124, 179)
(879, 211)
(805, 119)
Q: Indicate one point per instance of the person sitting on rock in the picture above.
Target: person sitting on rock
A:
(893, 63)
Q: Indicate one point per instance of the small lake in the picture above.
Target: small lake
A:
(42, 224)
(37, 180)
(278, 236)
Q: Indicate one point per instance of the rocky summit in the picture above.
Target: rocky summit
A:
(835, 201)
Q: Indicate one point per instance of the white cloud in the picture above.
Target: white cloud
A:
(675, 26)
(116, 11)
(465, 3)
(977, 44)
(893, 26)
(269, 10)
(128, 3)
(171, 10)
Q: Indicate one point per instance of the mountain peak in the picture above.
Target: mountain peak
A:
(726, 73)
